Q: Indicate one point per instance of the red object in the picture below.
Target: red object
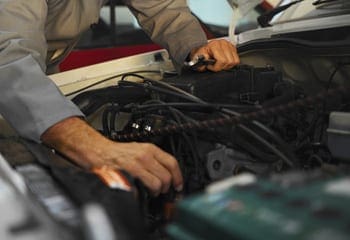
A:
(86, 57)
(113, 178)
(208, 33)
(266, 6)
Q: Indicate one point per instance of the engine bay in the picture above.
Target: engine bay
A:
(263, 148)
(281, 116)
(217, 125)
(249, 120)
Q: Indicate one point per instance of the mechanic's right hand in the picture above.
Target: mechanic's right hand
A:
(78, 141)
(154, 167)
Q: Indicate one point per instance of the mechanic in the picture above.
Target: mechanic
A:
(35, 36)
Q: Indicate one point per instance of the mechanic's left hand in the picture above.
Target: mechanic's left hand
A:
(223, 51)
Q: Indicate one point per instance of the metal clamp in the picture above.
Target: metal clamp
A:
(199, 61)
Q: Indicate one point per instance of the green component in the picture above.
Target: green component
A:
(319, 210)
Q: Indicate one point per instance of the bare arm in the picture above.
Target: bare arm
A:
(81, 143)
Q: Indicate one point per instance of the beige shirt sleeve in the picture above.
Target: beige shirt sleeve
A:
(170, 24)
(29, 101)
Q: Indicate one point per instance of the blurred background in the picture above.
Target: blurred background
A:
(117, 34)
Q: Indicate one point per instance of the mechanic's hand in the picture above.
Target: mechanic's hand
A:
(154, 167)
(222, 51)
(78, 141)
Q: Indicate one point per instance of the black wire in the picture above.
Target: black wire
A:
(171, 87)
(131, 75)
(172, 145)
(214, 106)
(110, 78)
(192, 98)
(285, 147)
(193, 149)
(318, 2)
(255, 135)
(264, 142)
(171, 109)
(335, 71)
(269, 146)
(159, 90)
(244, 128)
(329, 83)
(248, 146)
(195, 98)
(310, 129)
(105, 126)
(167, 85)
(264, 19)
(114, 114)
(178, 115)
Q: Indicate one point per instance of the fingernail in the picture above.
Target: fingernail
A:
(179, 188)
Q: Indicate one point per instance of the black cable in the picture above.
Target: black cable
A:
(319, 2)
(251, 148)
(110, 78)
(272, 134)
(114, 114)
(171, 87)
(105, 126)
(329, 83)
(335, 71)
(264, 19)
(178, 115)
(132, 75)
(159, 90)
(234, 121)
(309, 130)
(269, 146)
(285, 147)
(214, 106)
(172, 145)
(193, 150)
(171, 109)
(260, 140)
(246, 129)
(190, 97)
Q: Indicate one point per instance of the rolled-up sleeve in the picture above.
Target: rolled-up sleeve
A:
(29, 100)
(170, 24)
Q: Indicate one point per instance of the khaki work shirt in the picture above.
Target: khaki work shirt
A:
(36, 34)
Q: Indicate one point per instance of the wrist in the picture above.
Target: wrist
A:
(75, 139)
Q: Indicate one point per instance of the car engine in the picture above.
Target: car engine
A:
(282, 116)
(217, 125)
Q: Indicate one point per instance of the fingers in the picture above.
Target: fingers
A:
(164, 167)
(153, 183)
(172, 166)
(154, 167)
(222, 51)
(225, 54)
(162, 175)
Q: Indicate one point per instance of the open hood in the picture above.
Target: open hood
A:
(300, 17)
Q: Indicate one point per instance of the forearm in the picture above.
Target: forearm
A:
(75, 139)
